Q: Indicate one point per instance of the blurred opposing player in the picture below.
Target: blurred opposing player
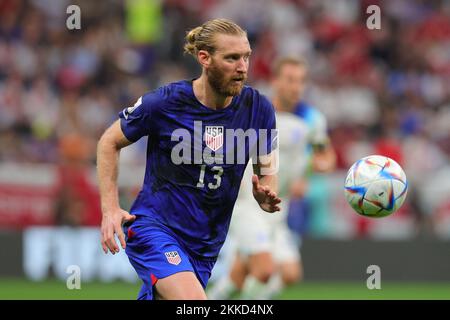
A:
(308, 192)
(180, 219)
(289, 84)
(268, 255)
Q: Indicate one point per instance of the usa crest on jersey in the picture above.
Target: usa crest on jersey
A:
(214, 137)
(173, 257)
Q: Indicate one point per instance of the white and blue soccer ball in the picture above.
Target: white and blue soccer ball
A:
(376, 186)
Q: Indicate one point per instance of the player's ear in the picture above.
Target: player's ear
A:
(204, 58)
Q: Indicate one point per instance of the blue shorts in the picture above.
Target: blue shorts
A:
(155, 253)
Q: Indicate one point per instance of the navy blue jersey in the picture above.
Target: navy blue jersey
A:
(194, 162)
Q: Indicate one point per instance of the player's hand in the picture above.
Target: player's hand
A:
(267, 199)
(112, 225)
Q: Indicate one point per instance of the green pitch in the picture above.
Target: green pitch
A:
(56, 290)
(359, 291)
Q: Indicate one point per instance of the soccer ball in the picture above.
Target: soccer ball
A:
(375, 186)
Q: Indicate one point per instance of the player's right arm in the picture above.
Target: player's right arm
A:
(108, 150)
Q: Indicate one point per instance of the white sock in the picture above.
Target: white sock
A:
(272, 288)
(223, 289)
(252, 288)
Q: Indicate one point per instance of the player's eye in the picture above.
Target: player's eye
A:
(232, 58)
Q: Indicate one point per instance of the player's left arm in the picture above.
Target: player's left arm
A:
(265, 182)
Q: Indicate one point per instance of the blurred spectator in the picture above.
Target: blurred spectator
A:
(77, 200)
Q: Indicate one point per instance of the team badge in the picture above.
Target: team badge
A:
(173, 257)
(214, 137)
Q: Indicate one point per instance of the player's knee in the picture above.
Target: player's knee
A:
(264, 277)
(290, 278)
(292, 275)
(263, 272)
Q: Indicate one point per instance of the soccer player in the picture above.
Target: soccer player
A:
(268, 256)
(180, 219)
(289, 84)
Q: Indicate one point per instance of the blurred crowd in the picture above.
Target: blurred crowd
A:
(382, 91)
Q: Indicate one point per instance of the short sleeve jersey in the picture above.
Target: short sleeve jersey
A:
(196, 157)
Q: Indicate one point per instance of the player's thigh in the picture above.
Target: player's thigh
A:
(238, 271)
(180, 286)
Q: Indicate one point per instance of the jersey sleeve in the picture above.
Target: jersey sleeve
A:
(136, 121)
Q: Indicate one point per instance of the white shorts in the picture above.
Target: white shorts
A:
(255, 231)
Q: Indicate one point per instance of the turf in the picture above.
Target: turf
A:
(359, 291)
(57, 290)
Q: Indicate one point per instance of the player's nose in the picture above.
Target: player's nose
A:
(242, 66)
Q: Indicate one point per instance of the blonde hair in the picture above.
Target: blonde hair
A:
(281, 62)
(202, 37)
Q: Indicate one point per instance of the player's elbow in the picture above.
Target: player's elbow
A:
(113, 138)
(104, 144)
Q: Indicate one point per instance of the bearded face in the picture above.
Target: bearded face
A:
(223, 82)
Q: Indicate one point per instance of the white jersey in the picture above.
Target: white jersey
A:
(256, 230)
(292, 145)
